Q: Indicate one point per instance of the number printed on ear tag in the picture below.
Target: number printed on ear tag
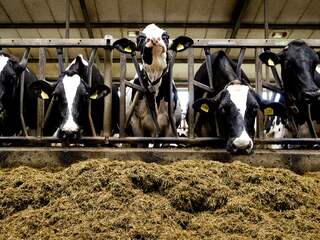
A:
(268, 111)
(180, 47)
(205, 107)
(270, 62)
(44, 95)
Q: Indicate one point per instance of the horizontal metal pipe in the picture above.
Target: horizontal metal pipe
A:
(185, 140)
(198, 43)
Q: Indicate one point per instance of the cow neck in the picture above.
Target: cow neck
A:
(147, 82)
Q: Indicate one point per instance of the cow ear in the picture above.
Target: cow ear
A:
(99, 91)
(204, 105)
(42, 88)
(181, 43)
(125, 45)
(269, 58)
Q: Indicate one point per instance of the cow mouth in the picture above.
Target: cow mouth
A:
(69, 136)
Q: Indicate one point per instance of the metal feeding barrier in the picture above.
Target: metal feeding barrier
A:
(106, 44)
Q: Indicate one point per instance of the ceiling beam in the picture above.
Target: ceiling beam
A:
(237, 14)
(86, 18)
(275, 26)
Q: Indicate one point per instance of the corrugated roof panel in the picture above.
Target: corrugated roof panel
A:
(130, 10)
(16, 10)
(49, 33)
(9, 33)
(223, 12)
(76, 9)
(292, 11)
(39, 10)
(149, 9)
(108, 10)
(177, 11)
(3, 16)
(59, 11)
(216, 33)
(251, 12)
(91, 9)
(200, 10)
(312, 13)
(299, 34)
(28, 33)
(315, 34)
(115, 32)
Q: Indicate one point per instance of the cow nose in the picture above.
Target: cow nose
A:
(68, 135)
(243, 144)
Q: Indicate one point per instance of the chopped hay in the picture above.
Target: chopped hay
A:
(102, 199)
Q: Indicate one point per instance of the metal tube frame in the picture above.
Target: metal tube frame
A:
(199, 43)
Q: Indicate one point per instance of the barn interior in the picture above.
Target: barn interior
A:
(198, 19)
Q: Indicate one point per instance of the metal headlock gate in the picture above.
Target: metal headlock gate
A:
(106, 44)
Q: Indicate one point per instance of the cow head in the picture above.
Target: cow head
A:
(153, 43)
(237, 104)
(10, 71)
(71, 97)
(298, 64)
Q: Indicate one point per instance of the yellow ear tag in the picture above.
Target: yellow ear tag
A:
(44, 95)
(204, 107)
(180, 47)
(128, 49)
(270, 62)
(268, 111)
(94, 95)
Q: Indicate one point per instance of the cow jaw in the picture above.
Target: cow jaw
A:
(70, 84)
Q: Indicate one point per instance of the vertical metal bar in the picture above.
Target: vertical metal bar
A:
(209, 66)
(122, 95)
(60, 59)
(259, 127)
(67, 30)
(266, 19)
(191, 91)
(240, 61)
(108, 82)
(91, 61)
(23, 123)
(40, 115)
(170, 107)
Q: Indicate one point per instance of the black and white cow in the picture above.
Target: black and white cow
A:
(232, 108)
(153, 43)
(10, 72)
(69, 116)
(300, 76)
(301, 81)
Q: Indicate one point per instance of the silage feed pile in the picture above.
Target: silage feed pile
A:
(102, 199)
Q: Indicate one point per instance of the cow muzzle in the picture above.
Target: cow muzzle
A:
(240, 145)
(68, 136)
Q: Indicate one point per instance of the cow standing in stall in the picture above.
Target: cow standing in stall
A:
(229, 111)
(10, 73)
(68, 119)
(301, 82)
(152, 106)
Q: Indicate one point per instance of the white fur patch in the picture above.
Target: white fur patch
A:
(239, 95)
(318, 68)
(85, 62)
(3, 62)
(70, 85)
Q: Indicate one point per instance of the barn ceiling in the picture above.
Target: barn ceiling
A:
(195, 18)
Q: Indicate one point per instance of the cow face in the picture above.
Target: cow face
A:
(298, 64)
(153, 43)
(237, 105)
(71, 96)
(10, 71)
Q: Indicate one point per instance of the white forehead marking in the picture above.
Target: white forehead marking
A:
(3, 62)
(153, 30)
(85, 62)
(239, 95)
(318, 68)
(70, 85)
